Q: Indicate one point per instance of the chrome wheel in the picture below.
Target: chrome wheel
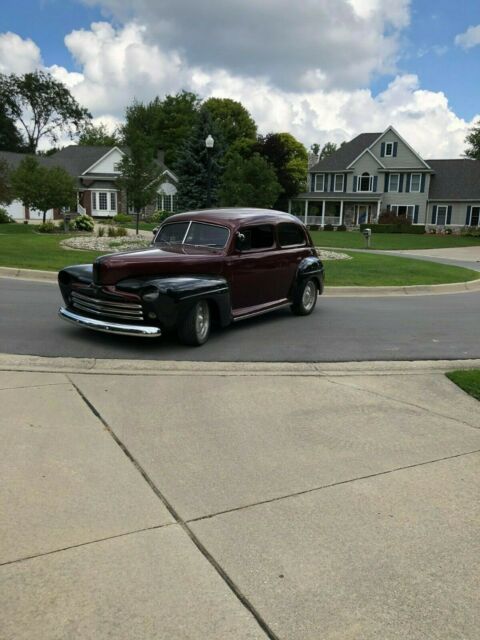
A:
(309, 296)
(202, 320)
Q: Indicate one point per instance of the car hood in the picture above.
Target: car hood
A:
(174, 260)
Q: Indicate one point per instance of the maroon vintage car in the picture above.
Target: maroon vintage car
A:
(219, 265)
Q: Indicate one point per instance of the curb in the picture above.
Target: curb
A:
(346, 292)
(42, 364)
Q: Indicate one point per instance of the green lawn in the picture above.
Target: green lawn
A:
(469, 381)
(144, 226)
(21, 247)
(355, 240)
(370, 270)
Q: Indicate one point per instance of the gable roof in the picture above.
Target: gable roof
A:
(457, 179)
(13, 159)
(77, 158)
(347, 153)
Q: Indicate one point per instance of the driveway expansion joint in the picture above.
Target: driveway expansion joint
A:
(181, 522)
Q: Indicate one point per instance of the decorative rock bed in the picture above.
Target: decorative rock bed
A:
(111, 245)
(332, 255)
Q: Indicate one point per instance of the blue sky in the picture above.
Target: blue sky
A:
(426, 48)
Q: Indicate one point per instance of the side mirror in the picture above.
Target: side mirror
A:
(240, 241)
(154, 231)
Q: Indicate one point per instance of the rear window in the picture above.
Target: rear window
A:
(198, 234)
(259, 237)
(290, 235)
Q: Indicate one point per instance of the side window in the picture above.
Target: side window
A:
(290, 235)
(259, 237)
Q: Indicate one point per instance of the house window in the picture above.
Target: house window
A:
(102, 201)
(113, 201)
(415, 182)
(94, 200)
(320, 182)
(475, 217)
(339, 177)
(365, 182)
(166, 203)
(442, 215)
(389, 149)
(117, 167)
(394, 182)
(405, 210)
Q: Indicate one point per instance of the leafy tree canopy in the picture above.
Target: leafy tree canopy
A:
(98, 135)
(315, 148)
(249, 182)
(328, 150)
(473, 141)
(6, 195)
(10, 138)
(231, 118)
(42, 106)
(192, 165)
(42, 188)
(288, 156)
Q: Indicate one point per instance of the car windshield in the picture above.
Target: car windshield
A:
(197, 234)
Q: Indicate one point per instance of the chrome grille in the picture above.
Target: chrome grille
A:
(97, 307)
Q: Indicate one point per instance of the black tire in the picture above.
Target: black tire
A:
(305, 298)
(195, 328)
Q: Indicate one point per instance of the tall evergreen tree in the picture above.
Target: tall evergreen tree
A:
(10, 138)
(192, 166)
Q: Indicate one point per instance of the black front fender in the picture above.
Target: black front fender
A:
(309, 267)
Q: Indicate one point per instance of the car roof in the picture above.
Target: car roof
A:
(234, 217)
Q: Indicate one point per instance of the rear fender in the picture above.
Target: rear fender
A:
(309, 267)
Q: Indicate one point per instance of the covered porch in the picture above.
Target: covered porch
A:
(349, 211)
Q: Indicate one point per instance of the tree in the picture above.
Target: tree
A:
(288, 156)
(42, 188)
(98, 135)
(231, 118)
(192, 166)
(250, 182)
(167, 123)
(140, 174)
(42, 106)
(315, 148)
(473, 140)
(6, 195)
(10, 138)
(328, 150)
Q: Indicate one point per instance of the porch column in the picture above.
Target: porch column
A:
(378, 211)
(323, 213)
(306, 211)
(341, 211)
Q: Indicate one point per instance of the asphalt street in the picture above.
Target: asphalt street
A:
(340, 329)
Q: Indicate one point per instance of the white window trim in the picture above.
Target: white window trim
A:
(317, 175)
(95, 201)
(441, 206)
(419, 183)
(370, 184)
(390, 182)
(340, 175)
(389, 155)
(475, 206)
(407, 206)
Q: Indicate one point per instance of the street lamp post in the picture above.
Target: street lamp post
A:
(209, 142)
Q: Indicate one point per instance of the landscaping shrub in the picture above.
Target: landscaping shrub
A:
(387, 217)
(4, 217)
(471, 232)
(313, 227)
(83, 223)
(328, 227)
(117, 232)
(122, 219)
(159, 216)
(394, 228)
(341, 227)
(101, 232)
(47, 227)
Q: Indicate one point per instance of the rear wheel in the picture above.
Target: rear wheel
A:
(195, 327)
(306, 298)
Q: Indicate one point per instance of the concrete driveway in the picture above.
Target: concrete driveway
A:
(148, 500)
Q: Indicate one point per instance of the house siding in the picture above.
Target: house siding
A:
(404, 198)
(404, 158)
(459, 211)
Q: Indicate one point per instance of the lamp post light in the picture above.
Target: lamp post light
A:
(209, 142)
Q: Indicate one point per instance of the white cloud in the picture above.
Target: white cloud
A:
(18, 55)
(308, 44)
(117, 65)
(470, 38)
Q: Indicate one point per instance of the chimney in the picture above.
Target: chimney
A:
(161, 156)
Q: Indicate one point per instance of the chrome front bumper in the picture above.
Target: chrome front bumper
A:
(143, 331)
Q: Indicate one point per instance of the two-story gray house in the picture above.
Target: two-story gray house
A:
(378, 172)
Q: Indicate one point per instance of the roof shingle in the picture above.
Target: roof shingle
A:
(347, 153)
(457, 179)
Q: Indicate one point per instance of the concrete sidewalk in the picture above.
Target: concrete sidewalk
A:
(175, 500)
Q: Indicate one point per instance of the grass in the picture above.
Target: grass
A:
(390, 241)
(469, 381)
(370, 270)
(21, 247)
(144, 226)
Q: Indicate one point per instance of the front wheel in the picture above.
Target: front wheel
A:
(306, 299)
(195, 327)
